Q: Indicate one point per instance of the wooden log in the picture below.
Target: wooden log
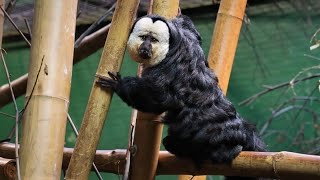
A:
(225, 39)
(7, 169)
(88, 45)
(48, 88)
(282, 165)
(99, 100)
(148, 130)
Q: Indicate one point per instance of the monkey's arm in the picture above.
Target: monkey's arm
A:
(136, 92)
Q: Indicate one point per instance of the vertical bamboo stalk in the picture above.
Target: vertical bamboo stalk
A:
(50, 73)
(148, 129)
(225, 39)
(99, 101)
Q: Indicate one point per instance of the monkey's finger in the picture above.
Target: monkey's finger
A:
(108, 86)
(112, 75)
(118, 75)
(107, 83)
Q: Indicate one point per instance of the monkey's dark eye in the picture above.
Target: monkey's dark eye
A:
(143, 37)
(154, 40)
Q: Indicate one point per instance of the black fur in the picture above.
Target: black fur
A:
(202, 123)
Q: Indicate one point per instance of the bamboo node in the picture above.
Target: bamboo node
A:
(279, 156)
(275, 159)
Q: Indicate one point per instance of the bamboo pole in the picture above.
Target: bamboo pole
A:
(88, 46)
(148, 129)
(7, 169)
(283, 165)
(225, 39)
(99, 101)
(48, 89)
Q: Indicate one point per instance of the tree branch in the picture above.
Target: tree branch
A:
(272, 88)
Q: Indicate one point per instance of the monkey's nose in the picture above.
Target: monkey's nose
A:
(144, 53)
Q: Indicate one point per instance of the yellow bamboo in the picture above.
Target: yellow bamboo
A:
(225, 39)
(88, 46)
(148, 129)
(282, 165)
(99, 101)
(44, 120)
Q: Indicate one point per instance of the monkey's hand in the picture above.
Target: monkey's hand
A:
(112, 82)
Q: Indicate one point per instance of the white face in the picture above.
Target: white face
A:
(159, 30)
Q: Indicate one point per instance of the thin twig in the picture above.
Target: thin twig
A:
(303, 71)
(8, 115)
(314, 36)
(28, 27)
(298, 98)
(247, 34)
(272, 88)
(282, 111)
(94, 25)
(34, 86)
(312, 57)
(17, 117)
(130, 144)
(305, 103)
(28, 100)
(75, 130)
(15, 26)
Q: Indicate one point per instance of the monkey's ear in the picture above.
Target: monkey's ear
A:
(186, 23)
(175, 37)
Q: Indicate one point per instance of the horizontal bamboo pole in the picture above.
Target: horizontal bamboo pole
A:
(7, 169)
(89, 45)
(283, 165)
(100, 99)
